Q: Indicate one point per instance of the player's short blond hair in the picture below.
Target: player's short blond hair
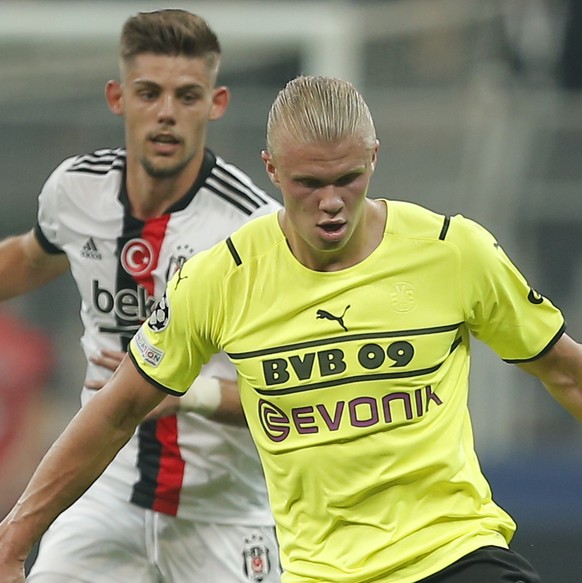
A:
(314, 109)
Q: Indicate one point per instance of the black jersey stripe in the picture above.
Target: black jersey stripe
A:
(149, 455)
(381, 376)
(95, 170)
(234, 182)
(159, 461)
(152, 381)
(456, 343)
(233, 251)
(99, 162)
(342, 339)
(127, 331)
(45, 243)
(547, 348)
(149, 449)
(241, 196)
(101, 156)
(445, 228)
(229, 198)
(367, 377)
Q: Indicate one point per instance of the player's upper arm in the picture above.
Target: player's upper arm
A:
(25, 265)
(560, 370)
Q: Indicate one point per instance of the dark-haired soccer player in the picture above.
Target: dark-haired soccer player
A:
(185, 500)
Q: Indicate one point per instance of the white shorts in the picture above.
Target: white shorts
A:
(119, 542)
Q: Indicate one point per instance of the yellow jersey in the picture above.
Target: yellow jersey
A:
(355, 385)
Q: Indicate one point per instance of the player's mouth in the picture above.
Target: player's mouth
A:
(332, 230)
(165, 144)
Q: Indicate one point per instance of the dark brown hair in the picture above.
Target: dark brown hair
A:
(168, 32)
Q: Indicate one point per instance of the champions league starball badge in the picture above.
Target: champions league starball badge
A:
(160, 316)
(256, 558)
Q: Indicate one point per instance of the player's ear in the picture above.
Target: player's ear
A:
(220, 101)
(375, 154)
(270, 167)
(114, 97)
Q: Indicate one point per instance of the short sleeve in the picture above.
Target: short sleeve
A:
(47, 227)
(501, 308)
(171, 347)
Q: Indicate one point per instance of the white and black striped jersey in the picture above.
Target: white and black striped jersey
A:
(183, 465)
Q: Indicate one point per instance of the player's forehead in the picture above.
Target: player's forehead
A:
(164, 69)
(323, 157)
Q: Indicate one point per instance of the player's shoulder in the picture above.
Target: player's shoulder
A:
(413, 220)
(86, 172)
(468, 235)
(418, 221)
(85, 175)
(235, 187)
(250, 243)
(257, 236)
(97, 163)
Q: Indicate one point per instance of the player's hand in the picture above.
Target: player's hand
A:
(109, 359)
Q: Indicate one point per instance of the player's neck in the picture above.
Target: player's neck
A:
(365, 239)
(151, 197)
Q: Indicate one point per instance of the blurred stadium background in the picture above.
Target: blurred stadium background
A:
(478, 106)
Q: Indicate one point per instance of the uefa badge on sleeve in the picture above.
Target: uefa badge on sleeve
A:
(256, 558)
(160, 316)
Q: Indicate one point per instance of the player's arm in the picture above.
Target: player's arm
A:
(215, 398)
(76, 459)
(25, 265)
(560, 371)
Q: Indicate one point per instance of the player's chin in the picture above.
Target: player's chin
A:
(161, 168)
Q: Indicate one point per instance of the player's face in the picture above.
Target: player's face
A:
(166, 102)
(324, 189)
